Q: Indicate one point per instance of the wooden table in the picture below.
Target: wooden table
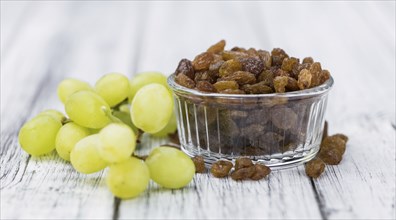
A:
(45, 42)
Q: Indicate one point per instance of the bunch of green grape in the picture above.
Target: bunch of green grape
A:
(101, 129)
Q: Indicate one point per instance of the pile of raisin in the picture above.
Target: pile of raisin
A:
(248, 71)
(331, 151)
(244, 169)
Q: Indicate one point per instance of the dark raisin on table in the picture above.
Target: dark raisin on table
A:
(221, 168)
(315, 168)
(261, 171)
(199, 164)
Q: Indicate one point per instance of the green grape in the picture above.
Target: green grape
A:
(146, 78)
(70, 86)
(151, 108)
(113, 87)
(126, 119)
(117, 142)
(37, 136)
(85, 157)
(124, 108)
(67, 137)
(88, 109)
(170, 167)
(170, 128)
(54, 113)
(128, 179)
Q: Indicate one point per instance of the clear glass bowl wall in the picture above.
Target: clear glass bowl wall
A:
(280, 130)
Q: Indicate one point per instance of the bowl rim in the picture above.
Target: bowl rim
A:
(315, 91)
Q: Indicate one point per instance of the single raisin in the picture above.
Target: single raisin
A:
(331, 156)
(308, 60)
(233, 55)
(265, 56)
(185, 67)
(203, 61)
(333, 142)
(267, 77)
(252, 64)
(205, 86)
(342, 136)
(243, 162)
(324, 76)
(243, 173)
(205, 76)
(260, 171)
(278, 55)
(185, 81)
(297, 69)
(288, 64)
(280, 83)
(217, 48)
(215, 65)
(283, 117)
(221, 168)
(230, 66)
(292, 84)
(223, 85)
(199, 164)
(316, 71)
(315, 168)
(241, 77)
(257, 88)
(251, 52)
(304, 79)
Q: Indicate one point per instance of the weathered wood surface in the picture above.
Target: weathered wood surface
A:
(44, 42)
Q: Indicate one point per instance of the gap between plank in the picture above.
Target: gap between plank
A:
(319, 201)
(116, 208)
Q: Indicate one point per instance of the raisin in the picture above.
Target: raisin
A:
(253, 130)
(288, 64)
(331, 156)
(304, 79)
(199, 164)
(202, 61)
(238, 115)
(292, 84)
(260, 171)
(267, 77)
(233, 55)
(324, 76)
(251, 52)
(257, 88)
(325, 130)
(280, 83)
(215, 65)
(221, 168)
(239, 49)
(205, 76)
(315, 168)
(243, 173)
(232, 91)
(223, 85)
(342, 136)
(243, 162)
(283, 117)
(185, 81)
(278, 55)
(241, 77)
(217, 48)
(185, 67)
(297, 69)
(333, 142)
(230, 66)
(308, 60)
(205, 86)
(252, 64)
(316, 71)
(265, 56)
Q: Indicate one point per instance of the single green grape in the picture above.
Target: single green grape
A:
(170, 167)
(37, 136)
(129, 178)
(126, 119)
(54, 113)
(170, 128)
(113, 88)
(146, 78)
(88, 109)
(67, 138)
(152, 108)
(118, 142)
(70, 86)
(85, 156)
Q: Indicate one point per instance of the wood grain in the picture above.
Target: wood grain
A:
(45, 42)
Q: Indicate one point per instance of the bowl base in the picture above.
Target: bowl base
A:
(275, 162)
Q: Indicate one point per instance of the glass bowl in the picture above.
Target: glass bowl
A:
(279, 129)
